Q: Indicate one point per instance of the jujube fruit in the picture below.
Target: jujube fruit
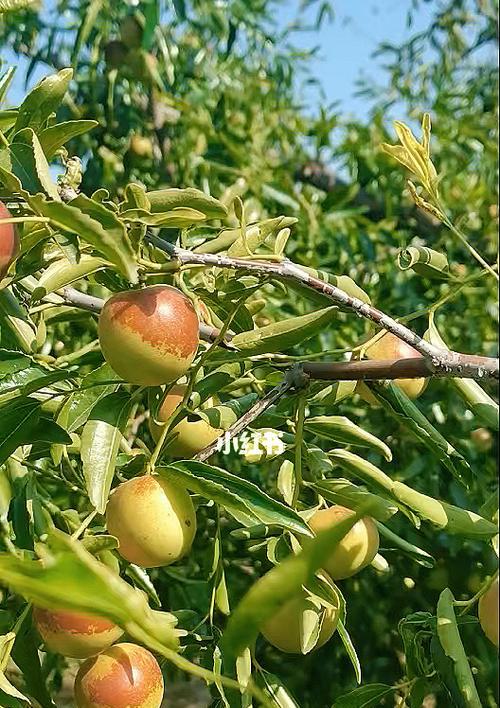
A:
(488, 612)
(153, 519)
(284, 629)
(482, 439)
(115, 54)
(131, 32)
(358, 547)
(141, 147)
(149, 336)
(391, 347)
(123, 676)
(9, 242)
(191, 436)
(75, 634)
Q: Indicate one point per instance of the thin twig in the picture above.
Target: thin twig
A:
(293, 379)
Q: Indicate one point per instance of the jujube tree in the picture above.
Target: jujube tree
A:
(195, 280)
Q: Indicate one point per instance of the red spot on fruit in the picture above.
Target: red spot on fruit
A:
(9, 242)
(123, 676)
(161, 315)
(77, 622)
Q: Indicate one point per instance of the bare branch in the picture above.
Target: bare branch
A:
(293, 379)
(375, 370)
(444, 361)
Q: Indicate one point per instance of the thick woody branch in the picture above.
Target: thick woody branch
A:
(447, 363)
(375, 370)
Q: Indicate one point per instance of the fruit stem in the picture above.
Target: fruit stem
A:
(85, 523)
(467, 604)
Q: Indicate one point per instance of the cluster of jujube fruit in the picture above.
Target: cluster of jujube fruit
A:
(150, 337)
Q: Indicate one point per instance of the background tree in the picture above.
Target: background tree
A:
(199, 95)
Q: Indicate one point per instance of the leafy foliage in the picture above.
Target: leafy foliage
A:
(187, 123)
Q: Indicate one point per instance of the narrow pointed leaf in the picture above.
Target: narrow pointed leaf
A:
(101, 438)
(234, 494)
(449, 638)
(283, 335)
(340, 429)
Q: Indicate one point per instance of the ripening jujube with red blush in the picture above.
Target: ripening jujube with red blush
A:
(388, 346)
(357, 548)
(9, 242)
(124, 676)
(488, 612)
(153, 519)
(75, 634)
(149, 336)
(191, 435)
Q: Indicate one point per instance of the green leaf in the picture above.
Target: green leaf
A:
(100, 442)
(343, 282)
(13, 316)
(280, 197)
(164, 200)
(178, 218)
(480, 403)
(400, 407)
(19, 419)
(5, 82)
(341, 491)
(234, 494)
(94, 386)
(72, 579)
(445, 516)
(94, 224)
(275, 690)
(450, 518)
(350, 649)
(255, 235)
(449, 638)
(90, 20)
(11, 362)
(226, 414)
(43, 100)
(54, 137)
(443, 666)
(30, 164)
(332, 394)
(280, 584)
(340, 429)
(281, 336)
(424, 261)
(45, 378)
(6, 644)
(409, 549)
(61, 273)
(368, 696)
(7, 119)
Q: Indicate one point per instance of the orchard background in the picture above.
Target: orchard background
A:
(215, 97)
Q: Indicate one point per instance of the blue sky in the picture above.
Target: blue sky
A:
(345, 45)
